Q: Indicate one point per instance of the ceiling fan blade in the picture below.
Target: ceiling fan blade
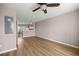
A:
(36, 9)
(45, 11)
(53, 5)
(42, 3)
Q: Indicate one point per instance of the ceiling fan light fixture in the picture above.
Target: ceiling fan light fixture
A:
(43, 7)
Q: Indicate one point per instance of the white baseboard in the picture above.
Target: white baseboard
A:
(8, 50)
(29, 36)
(66, 44)
(61, 42)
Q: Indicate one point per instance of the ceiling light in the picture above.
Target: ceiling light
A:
(43, 7)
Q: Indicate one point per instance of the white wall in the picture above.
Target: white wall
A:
(63, 28)
(7, 41)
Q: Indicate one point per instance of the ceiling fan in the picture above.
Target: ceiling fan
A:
(43, 6)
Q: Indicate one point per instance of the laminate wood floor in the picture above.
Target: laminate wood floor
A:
(35, 46)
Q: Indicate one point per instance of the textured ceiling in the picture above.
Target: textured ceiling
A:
(25, 14)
